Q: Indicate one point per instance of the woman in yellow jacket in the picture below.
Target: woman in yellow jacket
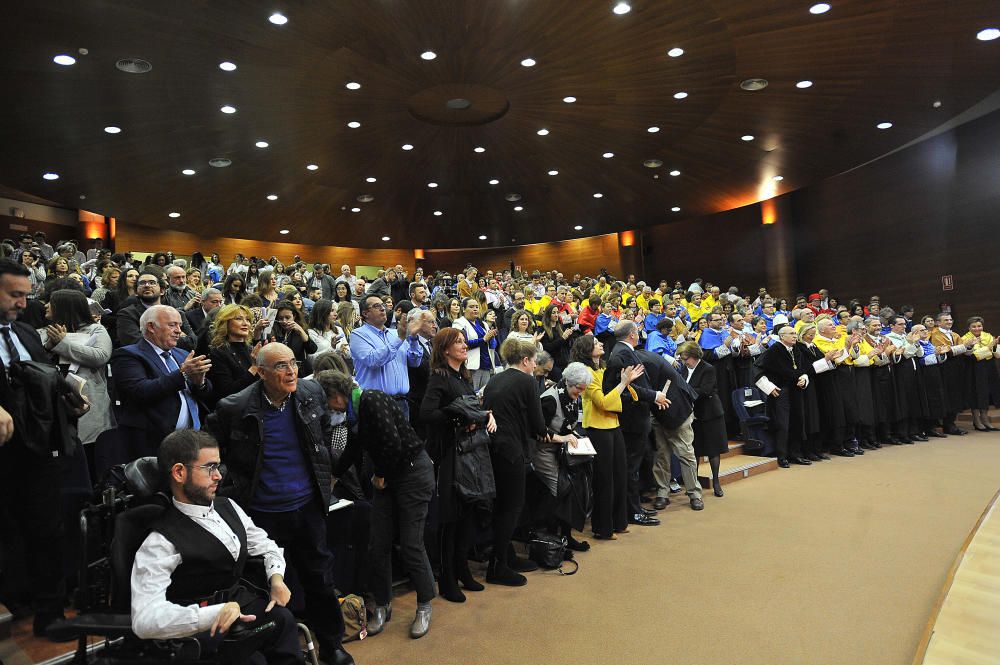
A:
(600, 418)
(985, 382)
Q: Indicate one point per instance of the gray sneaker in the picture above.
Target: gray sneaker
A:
(421, 622)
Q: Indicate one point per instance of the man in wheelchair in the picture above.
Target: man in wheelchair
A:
(188, 575)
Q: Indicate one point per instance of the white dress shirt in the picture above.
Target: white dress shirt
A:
(155, 617)
(5, 353)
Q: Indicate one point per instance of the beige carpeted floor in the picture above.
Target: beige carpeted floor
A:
(836, 563)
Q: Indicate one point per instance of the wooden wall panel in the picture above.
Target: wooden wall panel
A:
(11, 227)
(131, 237)
(582, 255)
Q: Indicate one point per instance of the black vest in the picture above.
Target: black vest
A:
(207, 568)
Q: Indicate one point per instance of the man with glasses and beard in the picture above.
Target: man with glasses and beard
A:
(149, 292)
(274, 436)
(183, 583)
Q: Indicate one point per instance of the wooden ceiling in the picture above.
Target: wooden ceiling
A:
(870, 61)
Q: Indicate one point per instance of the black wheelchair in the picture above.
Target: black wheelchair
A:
(111, 531)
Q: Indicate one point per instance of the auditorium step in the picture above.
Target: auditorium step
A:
(735, 448)
(736, 467)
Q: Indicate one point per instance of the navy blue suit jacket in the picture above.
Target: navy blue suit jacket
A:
(150, 395)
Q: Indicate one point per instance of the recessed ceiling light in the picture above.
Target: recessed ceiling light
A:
(64, 60)
(494, 182)
(675, 209)
(598, 195)
(675, 173)
(513, 196)
(228, 109)
(283, 232)
(569, 100)
(371, 179)
(355, 209)
(220, 162)
(528, 62)
(747, 137)
(988, 34)
(680, 95)
(407, 146)
(432, 185)
(278, 19)
(753, 84)
(428, 55)
(553, 172)
(820, 8)
(652, 163)
(354, 124)
(227, 66)
(482, 237)
(272, 197)
(778, 178)
(608, 155)
(365, 198)
(479, 148)
(188, 172)
(385, 238)
(937, 104)
(312, 167)
(804, 84)
(438, 213)
(50, 176)
(622, 8)
(111, 129)
(518, 208)
(352, 85)
(542, 132)
(262, 144)
(675, 52)
(174, 215)
(577, 228)
(884, 125)
(652, 130)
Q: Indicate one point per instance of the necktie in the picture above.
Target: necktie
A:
(9, 341)
(185, 395)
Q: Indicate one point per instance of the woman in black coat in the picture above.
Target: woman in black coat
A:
(234, 364)
(710, 437)
(450, 380)
(811, 444)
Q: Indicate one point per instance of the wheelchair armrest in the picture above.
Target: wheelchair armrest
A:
(105, 625)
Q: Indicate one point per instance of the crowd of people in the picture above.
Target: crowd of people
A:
(461, 414)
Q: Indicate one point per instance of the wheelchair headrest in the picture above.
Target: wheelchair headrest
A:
(142, 477)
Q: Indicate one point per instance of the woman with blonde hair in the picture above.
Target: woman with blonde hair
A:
(267, 288)
(234, 361)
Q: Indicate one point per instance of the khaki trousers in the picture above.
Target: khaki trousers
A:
(680, 442)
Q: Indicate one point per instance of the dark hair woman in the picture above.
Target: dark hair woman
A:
(440, 306)
(556, 340)
(449, 381)
(234, 289)
(291, 329)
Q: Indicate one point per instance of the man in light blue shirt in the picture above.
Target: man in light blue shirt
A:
(380, 355)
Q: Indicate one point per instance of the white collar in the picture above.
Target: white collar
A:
(192, 510)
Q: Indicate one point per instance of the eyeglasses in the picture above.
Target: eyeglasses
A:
(377, 306)
(146, 282)
(212, 468)
(292, 366)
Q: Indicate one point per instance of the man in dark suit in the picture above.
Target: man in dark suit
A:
(30, 475)
(211, 298)
(781, 374)
(160, 386)
(149, 290)
(672, 431)
(635, 416)
(422, 372)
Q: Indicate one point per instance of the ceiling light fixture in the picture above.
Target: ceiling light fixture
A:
(50, 176)
(598, 195)
(652, 163)
(438, 213)
(354, 124)
(577, 228)
(188, 172)
(608, 155)
(675, 52)
(371, 179)
(111, 129)
(352, 85)
(652, 130)
(553, 172)
(518, 208)
(385, 238)
(220, 162)
(365, 198)
(494, 182)
(262, 144)
(884, 125)
(228, 109)
(482, 237)
(747, 137)
(407, 146)
(513, 196)
(174, 215)
(778, 178)
(988, 34)
(570, 99)
(819, 8)
(283, 232)
(64, 60)
(675, 173)
(272, 197)
(227, 66)
(432, 185)
(542, 132)
(312, 167)
(528, 62)
(680, 95)
(479, 149)
(355, 209)
(804, 84)
(428, 55)
(675, 209)
(278, 19)
(937, 104)
(622, 8)
(754, 84)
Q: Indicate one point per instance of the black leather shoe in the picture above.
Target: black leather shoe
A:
(802, 461)
(843, 452)
(876, 445)
(660, 502)
(519, 565)
(498, 573)
(697, 504)
(813, 457)
(991, 428)
(936, 434)
(905, 439)
(336, 656)
(857, 451)
(783, 463)
(648, 512)
(577, 545)
(643, 520)
(955, 431)
(646, 499)
(717, 488)
(823, 456)
(920, 437)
